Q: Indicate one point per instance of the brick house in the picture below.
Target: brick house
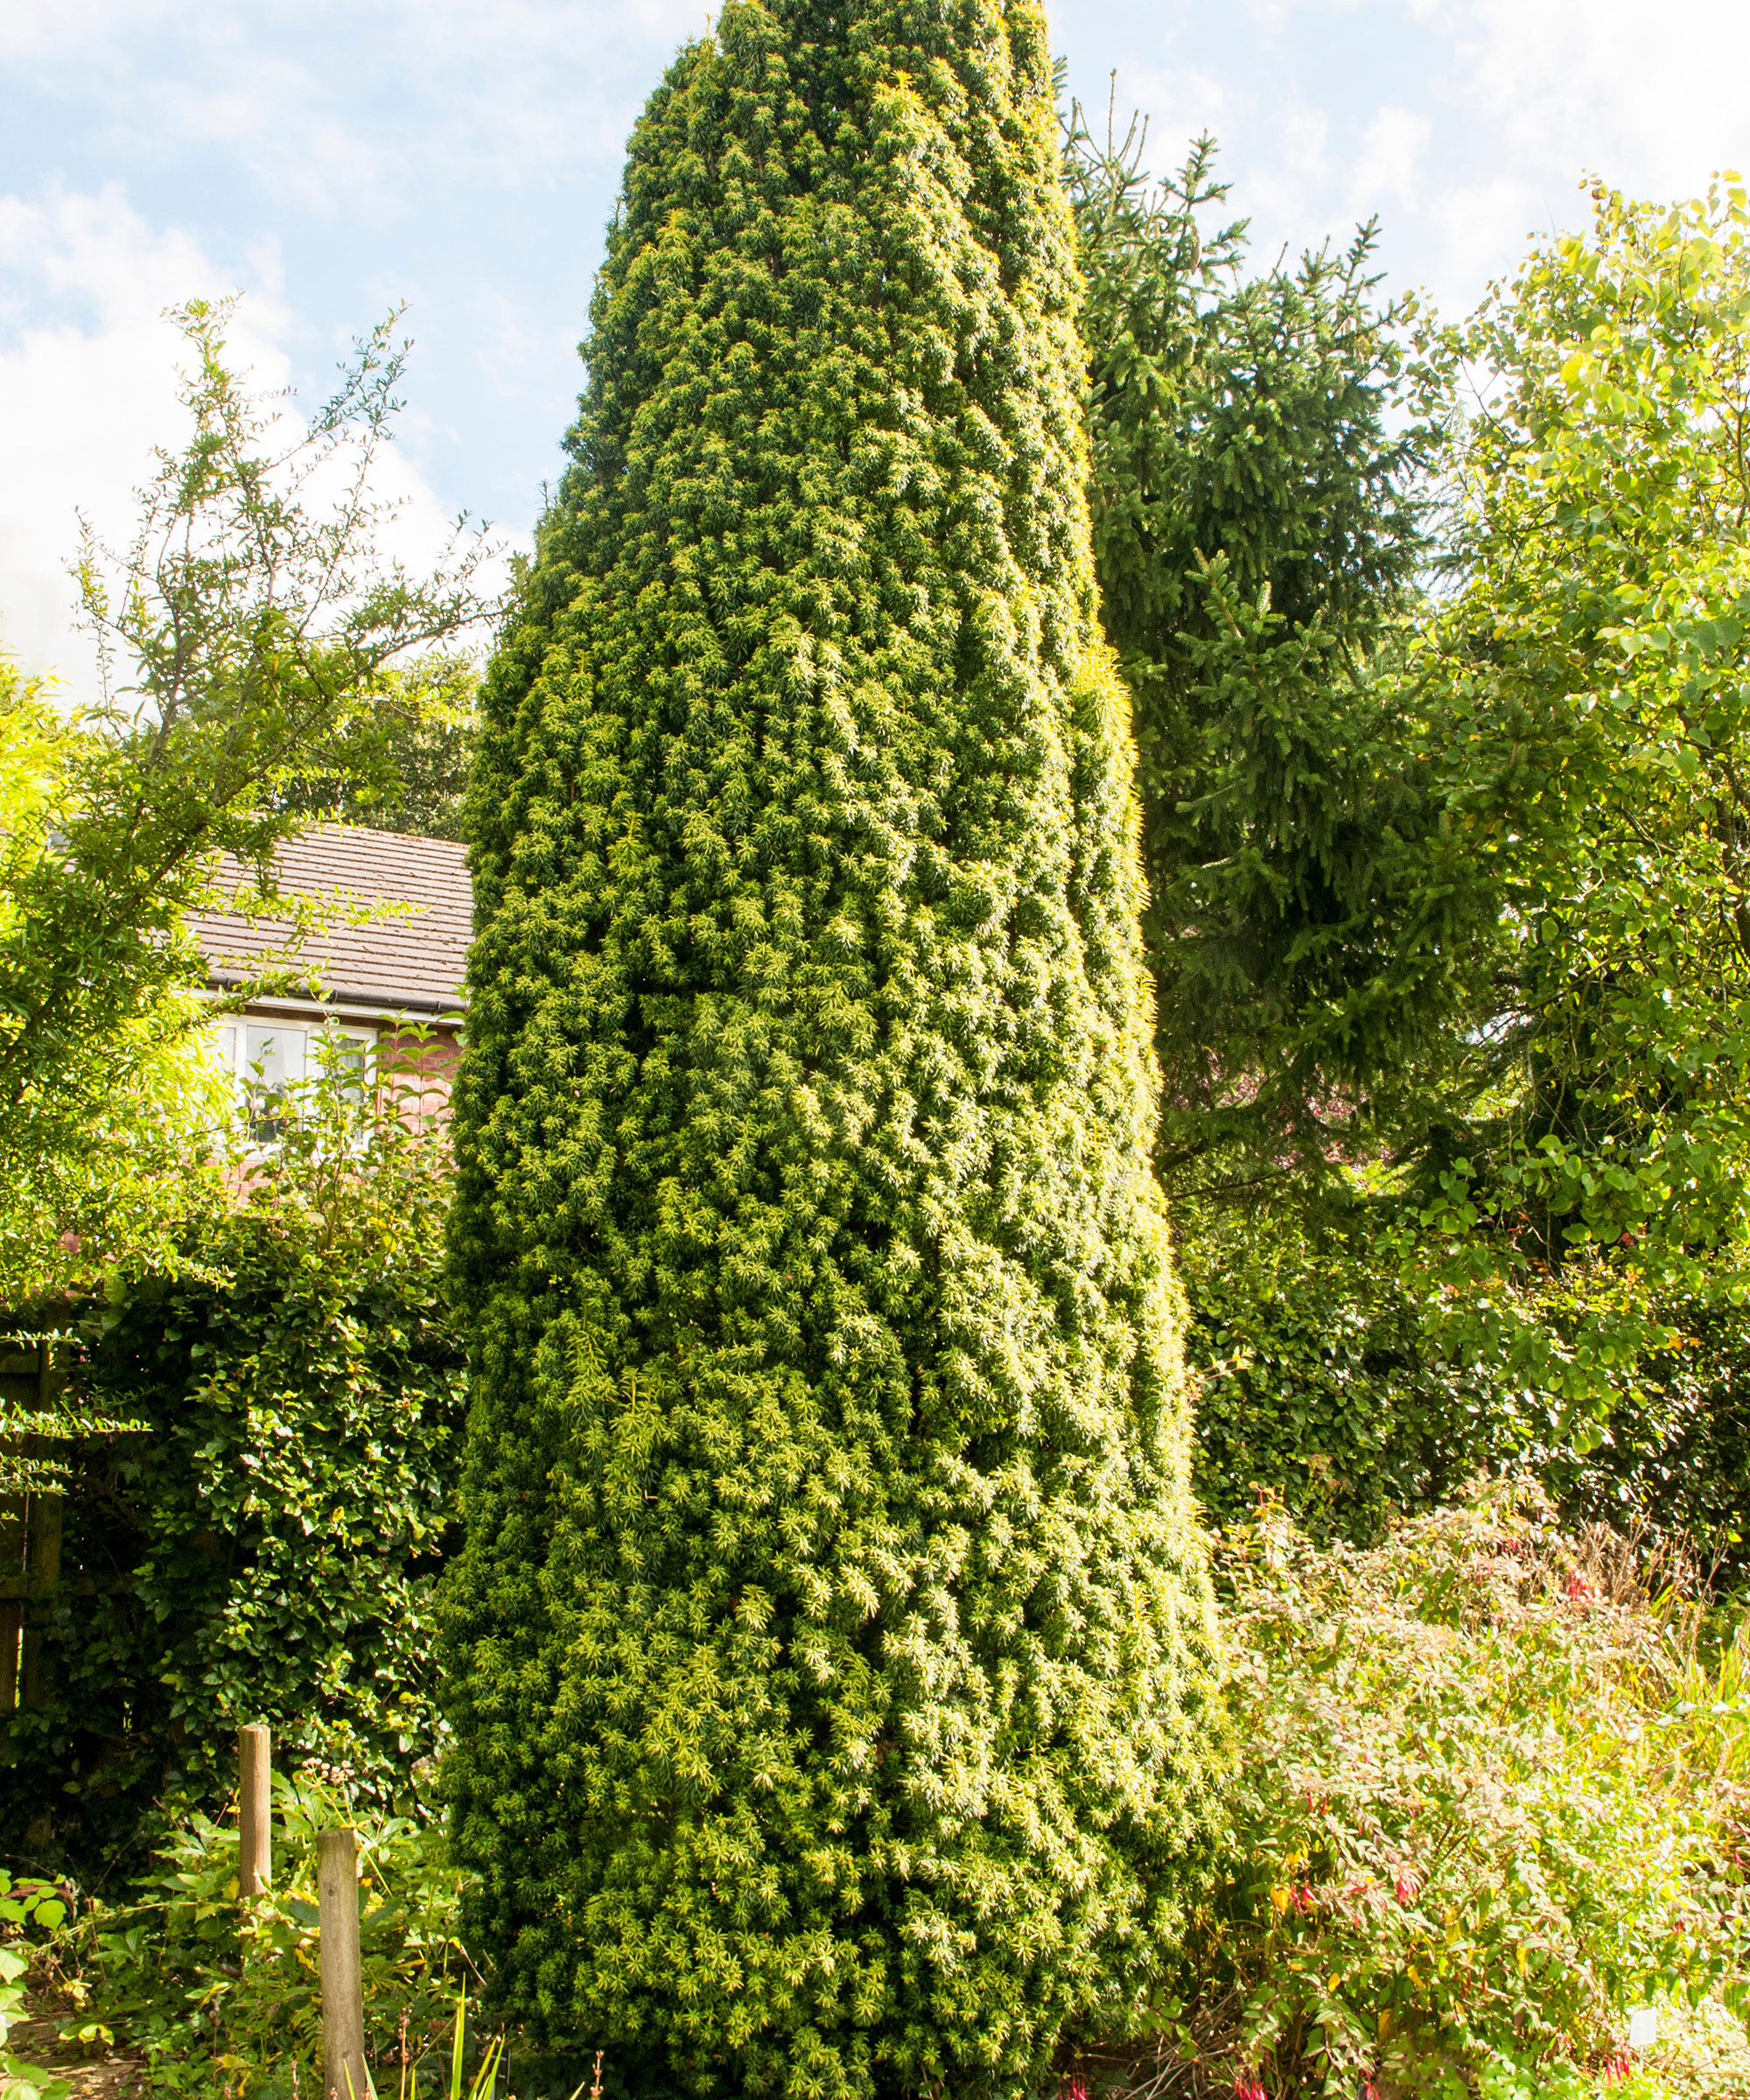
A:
(362, 983)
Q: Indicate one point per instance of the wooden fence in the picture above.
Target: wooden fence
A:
(29, 1536)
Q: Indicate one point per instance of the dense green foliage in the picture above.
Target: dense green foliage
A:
(101, 1136)
(1316, 1382)
(829, 1649)
(1326, 1382)
(243, 636)
(261, 1543)
(1448, 922)
(1675, 1456)
(404, 765)
(1589, 683)
(26, 1904)
(1259, 522)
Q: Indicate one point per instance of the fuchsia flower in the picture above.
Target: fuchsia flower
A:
(1248, 2089)
(1407, 1885)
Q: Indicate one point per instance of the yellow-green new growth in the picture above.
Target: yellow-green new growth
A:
(830, 1643)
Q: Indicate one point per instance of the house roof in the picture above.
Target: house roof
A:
(410, 963)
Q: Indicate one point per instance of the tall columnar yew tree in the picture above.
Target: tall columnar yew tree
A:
(831, 1645)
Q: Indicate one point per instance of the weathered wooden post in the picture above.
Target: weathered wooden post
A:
(343, 2005)
(254, 1810)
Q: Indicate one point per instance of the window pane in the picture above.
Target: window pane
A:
(351, 1073)
(278, 1050)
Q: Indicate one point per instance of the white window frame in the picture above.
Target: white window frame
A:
(230, 1041)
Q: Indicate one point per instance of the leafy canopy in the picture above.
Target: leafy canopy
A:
(1258, 455)
(1588, 684)
(261, 1449)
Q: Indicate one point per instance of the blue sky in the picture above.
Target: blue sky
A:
(328, 160)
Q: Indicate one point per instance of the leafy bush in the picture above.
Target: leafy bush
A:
(1491, 1793)
(1316, 1383)
(25, 1904)
(1674, 1457)
(1324, 1382)
(261, 1545)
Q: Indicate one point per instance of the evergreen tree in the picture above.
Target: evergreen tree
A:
(831, 1641)
(1259, 521)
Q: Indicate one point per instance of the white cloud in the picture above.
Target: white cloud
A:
(1297, 165)
(1651, 101)
(1540, 91)
(1388, 170)
(1480, 229)
(1465, 124)
(510, 352)
(1180, 101)
(89, 387)
(28, 33)
(342, 110)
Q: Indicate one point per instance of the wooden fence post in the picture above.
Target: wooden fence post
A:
(255, 1811)
(343, 2005)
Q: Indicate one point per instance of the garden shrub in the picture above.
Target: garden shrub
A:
(1316, 1384)
(1491, 1795)
(1674, 1459)
(829, 1651)
(1323, 1382)
(27, 1906)
(262, 1544)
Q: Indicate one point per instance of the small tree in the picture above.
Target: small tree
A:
(1588, 682)
(407, 769)
(1260, 516)
(830, 1647)
(243, 638)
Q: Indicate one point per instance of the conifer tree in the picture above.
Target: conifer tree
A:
(1262, 449)
(831, 1641)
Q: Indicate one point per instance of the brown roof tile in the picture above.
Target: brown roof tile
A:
(412, 964)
